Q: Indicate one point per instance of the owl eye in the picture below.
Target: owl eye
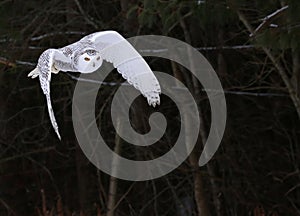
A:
(87, 59)
(91, 52)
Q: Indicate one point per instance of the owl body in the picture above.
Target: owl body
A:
(82, 57)
(87, 55)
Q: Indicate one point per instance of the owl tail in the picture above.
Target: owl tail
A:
(35, 73)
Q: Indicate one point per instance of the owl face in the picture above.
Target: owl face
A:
(88, 61)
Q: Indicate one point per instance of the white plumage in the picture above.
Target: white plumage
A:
(87, 55)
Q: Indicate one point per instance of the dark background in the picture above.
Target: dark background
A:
(254, 172)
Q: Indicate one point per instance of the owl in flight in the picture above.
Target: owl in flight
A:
(86, 56)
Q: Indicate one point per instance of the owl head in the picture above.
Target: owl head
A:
(88, 60)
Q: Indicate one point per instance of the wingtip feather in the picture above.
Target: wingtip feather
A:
(34, 73)
(59, 137)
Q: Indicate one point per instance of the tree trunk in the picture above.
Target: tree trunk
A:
(113, 182)
(199, 194)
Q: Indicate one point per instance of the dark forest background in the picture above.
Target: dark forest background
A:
(254, 46)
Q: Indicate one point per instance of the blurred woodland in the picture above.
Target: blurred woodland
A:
(254, 46)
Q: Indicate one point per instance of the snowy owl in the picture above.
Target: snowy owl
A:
(86, 56)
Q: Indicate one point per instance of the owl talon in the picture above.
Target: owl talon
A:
(54, 70)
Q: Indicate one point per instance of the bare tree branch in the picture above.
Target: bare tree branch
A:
(46, 149)
(267, 19)
(86, 17)
(276, 63)
(51, 34)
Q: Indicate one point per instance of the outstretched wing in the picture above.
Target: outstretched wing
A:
(44, 66)
(117, 50)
